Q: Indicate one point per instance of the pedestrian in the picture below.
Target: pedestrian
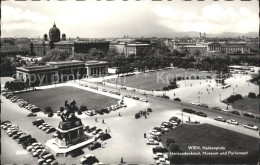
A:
(207, 89)
(106, 130)
(212, 88)
(144, 135)
(236, 85)
(119, 114)
(189, 118)
(103, 121)
(145, 116)
(122, 160)
(174, 94)
(96, 119)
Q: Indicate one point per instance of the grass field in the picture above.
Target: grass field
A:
(249, 104)
(155, 80)
(207, 135)
(55, 98)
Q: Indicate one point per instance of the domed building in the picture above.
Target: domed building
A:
(60, 42)
(54, 34)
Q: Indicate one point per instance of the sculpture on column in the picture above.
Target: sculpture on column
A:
(69, 113)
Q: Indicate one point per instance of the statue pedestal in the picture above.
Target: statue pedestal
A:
(70, 136)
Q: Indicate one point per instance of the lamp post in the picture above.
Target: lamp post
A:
(233, 90)
(182, 113)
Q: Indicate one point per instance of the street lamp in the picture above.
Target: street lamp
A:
(182, 113)
(233, 90)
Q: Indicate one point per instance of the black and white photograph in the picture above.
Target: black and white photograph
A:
(130, 82)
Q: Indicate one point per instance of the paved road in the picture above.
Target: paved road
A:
(127, 132)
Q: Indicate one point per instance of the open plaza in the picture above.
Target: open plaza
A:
(128, 132)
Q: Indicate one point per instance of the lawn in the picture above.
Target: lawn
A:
(207, 135)
(55, 98)
(249, 104)
(156, 80)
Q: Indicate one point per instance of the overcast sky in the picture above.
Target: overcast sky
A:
(135, 18)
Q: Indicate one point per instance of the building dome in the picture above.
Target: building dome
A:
(54, 34)
(63, 37)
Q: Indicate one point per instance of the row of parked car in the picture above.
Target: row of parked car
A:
(106, 110)
(41, 124)
(234, 122)
(21, 102)
(165, 126)
(191, 111)
(29, 143)
(161, 155)
(224, 110)
(137, 98)
(97, 132)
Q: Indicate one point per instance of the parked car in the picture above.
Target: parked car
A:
(249, 115)
(219, 118)
(94, 145)
(217, 108)
(133, 90)
(174, 118)
(187, 110)
(152, 142)
(31, 114)
(38, 122)
(104, 90)
(177, 99)
(204, 105)
(123, 88)
(235, 112)
(135, 97)
(232, 121)
(250, 126)
(50, 129)
(195, 103)
(96, 131)
(128, 96)
(201, 114)
(226, 110)
(105, 136)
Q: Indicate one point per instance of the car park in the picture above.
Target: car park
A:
(219, 118)
(232, 121)
(250, 126)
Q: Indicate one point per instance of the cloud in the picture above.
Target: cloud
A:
(17, 18)
(118, 18)
(212, 19)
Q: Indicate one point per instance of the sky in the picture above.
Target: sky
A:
(95, 19)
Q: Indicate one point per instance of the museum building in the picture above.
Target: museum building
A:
(60, 42)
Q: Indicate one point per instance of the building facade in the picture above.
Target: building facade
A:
(39, 48)
(61, 71)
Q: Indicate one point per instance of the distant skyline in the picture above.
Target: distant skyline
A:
(97, 19)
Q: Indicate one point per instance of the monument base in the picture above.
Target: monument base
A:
(53, 148)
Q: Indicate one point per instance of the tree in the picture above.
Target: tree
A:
(169, 141)
(251, 95)
(174, 148)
